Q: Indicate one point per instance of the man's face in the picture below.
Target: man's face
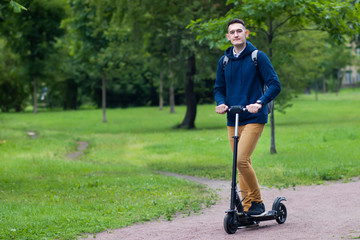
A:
(237, 34)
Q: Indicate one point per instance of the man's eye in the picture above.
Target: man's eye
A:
(238, 31)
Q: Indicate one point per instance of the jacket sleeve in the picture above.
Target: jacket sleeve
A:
(271, 79)
(220, 84)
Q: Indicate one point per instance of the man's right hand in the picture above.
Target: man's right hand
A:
(221, 109)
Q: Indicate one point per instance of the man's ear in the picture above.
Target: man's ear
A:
(247, 33)
(228, 37)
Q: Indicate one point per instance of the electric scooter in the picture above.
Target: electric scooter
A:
(235, 217)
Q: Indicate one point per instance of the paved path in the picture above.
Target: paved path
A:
(329, 211)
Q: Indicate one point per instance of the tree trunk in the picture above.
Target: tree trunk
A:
(272, 118)
(70, 97)
(339, 76)
(35, 95)
(172, 95)
(316, 91)
(104, 97)
(171, 89)
(190, 98)
(161, 88)
(171, 75)
(74, 95)
(272, 124)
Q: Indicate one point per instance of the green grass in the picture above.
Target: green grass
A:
(316, 141)
(45, 195)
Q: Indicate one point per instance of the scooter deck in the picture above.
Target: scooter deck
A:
(245, 219)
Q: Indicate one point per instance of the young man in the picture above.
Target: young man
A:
(237, 84)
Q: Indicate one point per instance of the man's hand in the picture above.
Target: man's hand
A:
(221, 109)
(253, 108)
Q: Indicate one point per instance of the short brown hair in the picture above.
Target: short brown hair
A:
(236, 20)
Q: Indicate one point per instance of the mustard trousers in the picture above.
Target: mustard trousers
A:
(248, 137)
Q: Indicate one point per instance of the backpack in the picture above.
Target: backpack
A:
(254, 53)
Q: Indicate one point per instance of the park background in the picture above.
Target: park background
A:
(134, 79)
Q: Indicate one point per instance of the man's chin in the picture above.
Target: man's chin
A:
(239, 44)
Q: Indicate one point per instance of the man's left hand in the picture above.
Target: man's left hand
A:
(253, 108)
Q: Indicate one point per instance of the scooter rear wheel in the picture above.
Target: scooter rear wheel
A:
(229, 225)
(281, 213)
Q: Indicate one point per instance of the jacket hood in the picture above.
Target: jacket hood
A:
(248, 50)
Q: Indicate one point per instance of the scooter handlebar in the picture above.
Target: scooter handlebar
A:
(236, 109)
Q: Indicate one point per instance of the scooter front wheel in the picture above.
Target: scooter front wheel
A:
(229, 225)
(281, 213)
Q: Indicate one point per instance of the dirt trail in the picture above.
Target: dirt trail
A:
(314, 212)
(82, 146)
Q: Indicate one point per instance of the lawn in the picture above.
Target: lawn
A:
(46, 195)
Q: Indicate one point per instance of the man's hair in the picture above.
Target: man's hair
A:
(236, 20)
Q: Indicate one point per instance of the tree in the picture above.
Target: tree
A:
(89, 23)
(318, 61)
(85, 21)
(69, 85)
(32, 35)
(111, 51)
(193, 52)
(172, 43)
(13, 94)
(272, 19)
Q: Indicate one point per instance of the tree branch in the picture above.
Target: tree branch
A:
(261, 30)
(282, 23)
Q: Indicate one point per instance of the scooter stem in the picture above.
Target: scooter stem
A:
(236, 125)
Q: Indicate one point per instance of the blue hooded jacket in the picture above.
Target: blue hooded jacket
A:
(240, 84)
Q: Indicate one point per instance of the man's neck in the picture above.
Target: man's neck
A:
(239, 48)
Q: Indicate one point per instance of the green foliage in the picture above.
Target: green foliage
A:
(31, 35)
(34, 31)
(16, 6)
(13, 92)
(100, 41)
(312, 58)
(330, 16)
(129, 42)
(67, 46)
(276, 27)
(170, 43)
(5, 5)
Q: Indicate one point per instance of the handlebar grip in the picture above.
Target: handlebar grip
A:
(236, 109)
